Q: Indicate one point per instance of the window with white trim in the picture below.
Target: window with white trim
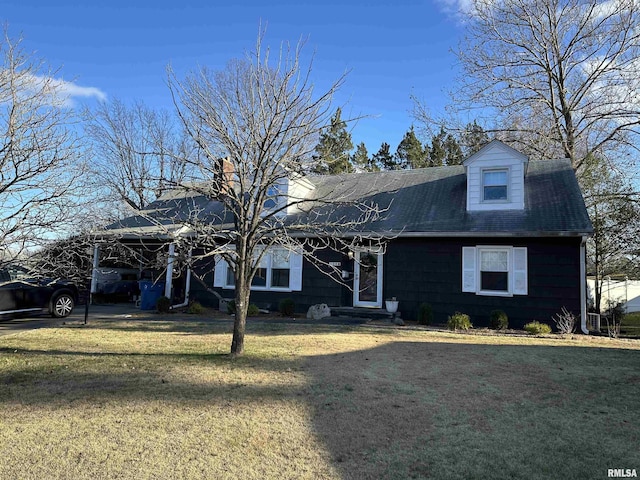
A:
(277, 197)
(278, 270)
(494, 270)
(495, 185)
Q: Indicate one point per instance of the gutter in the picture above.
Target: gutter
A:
(390, 235)
(583, 286)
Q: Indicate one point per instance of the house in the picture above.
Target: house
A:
(498, 232)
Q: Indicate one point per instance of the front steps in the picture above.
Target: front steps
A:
(362, 312)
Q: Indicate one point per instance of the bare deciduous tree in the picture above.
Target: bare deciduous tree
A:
(39, 159)
(560, 78)
(614, 209)
(256, 124)
(138, 152)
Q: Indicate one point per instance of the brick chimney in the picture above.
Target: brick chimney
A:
(225, 173)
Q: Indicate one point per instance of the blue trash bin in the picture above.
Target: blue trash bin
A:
(149, 294)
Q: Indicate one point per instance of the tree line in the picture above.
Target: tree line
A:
(334, 154)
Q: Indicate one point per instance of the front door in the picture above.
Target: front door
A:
(367, 283)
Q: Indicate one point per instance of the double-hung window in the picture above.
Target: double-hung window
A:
(278, 269)
(495, 185)
(494, 270)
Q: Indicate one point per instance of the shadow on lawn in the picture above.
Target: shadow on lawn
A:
(400, 410)
(448, 410)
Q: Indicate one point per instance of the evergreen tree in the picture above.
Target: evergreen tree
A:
(444, 150)
(361, 160)
(472, 139)
(410, 153)
(332, 152)
(453, 150)
(384, 159)
(437, 152)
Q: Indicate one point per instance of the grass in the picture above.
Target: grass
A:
(630, 325)
(161, 399)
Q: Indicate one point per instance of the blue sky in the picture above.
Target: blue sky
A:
(120, 49)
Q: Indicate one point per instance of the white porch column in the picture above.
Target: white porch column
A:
(94, 272)
(170, 260)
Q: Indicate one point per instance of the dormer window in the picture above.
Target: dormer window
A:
(495, 178)
(276, 199)
(495, 185)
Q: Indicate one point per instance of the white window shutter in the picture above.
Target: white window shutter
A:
(295, 272)
(220, 272)
(469, 269)
(520, 283)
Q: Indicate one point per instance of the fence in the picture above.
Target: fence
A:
(626, 292)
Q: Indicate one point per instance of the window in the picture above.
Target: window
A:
(495, 185)
(279, 269)
(494, 270)
(272, 198)
(277, 198)
(260, 278)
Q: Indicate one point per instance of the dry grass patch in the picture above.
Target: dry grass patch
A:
(140, 399)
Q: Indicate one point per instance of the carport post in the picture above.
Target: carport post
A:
(170, 260)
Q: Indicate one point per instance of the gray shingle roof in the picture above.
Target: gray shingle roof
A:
(429, 202)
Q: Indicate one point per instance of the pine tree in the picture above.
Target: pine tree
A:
(332, 152)
(444, 150)
(437, 152)
(361, 160)
(453, 150)
(384, 159)
(410, 153)
(473, 138)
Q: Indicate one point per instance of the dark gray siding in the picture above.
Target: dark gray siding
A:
(316, 288)
(430, 271)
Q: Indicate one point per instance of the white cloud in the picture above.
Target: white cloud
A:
(65, 93)
(457, 6)
(53, 91)
(72, 90)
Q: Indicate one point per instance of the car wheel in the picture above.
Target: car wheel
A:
(62, 305)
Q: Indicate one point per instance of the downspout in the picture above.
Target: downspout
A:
(187, 285)
(583, 286)
(94, 272)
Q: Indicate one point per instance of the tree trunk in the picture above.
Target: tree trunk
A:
(239, 325)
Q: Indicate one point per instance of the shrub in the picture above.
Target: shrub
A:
(537, 328)
(565, 321)
(253, 310)
(498, 320)
(425, 314)
(459, 321)
(286, 307)
(195, 308)
(231, 307)
(163, 305)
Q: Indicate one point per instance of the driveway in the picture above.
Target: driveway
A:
(96, 312)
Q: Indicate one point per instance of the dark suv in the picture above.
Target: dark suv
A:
(31, 296)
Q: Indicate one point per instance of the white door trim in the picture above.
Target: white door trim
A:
(356, 279)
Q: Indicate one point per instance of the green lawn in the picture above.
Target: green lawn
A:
(144, 399)
(631, 325)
